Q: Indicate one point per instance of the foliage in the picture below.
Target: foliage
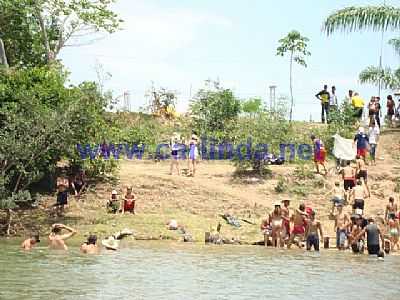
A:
(281, 186)
(295, 45)
(377, 18)
(34, 32)
(214, 108)
(379, 76)
(303, 172)
(162, 102)
(41, 122)
(252, 106)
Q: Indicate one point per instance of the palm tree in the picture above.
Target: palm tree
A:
(296, 45)
(376, 18)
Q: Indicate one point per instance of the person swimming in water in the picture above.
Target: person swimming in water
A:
(56, 239)
(311, 233)
(90, 247)
(28, 244)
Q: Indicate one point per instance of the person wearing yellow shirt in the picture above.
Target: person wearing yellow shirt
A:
(358, 105)
(324, 97)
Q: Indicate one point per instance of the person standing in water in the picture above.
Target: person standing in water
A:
(311, 234)
(342, 222)
(394, 230)
(276, 222)
(299, 219)
(57, 239)
(28, 244)
(193, 154)
(90, 247)
(374, 235)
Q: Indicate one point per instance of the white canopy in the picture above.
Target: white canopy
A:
(343, 148)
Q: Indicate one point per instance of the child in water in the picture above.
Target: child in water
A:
(129, 201)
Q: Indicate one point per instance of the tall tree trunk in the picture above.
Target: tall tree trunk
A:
(49, 54)
(291, 87)
(3, 57)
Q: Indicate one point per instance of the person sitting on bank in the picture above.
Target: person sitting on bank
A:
(312, 236)
(129, 202)
(57, 239)
(90, 247)
(28, 244)
(78, 184)
(113, 205)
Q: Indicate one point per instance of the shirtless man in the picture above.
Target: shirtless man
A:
(348, 175)
(357, 245)
(90, 247)
(277, 222)
(286, 219)
(342, 221)
(312, 237)
(28, 244)
(361, 168)
(62, 194)
(391, 210)
(56, 239)
(299, 219)
(359, 193)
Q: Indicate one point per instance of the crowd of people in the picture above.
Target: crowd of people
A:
(353, 230)
(329, 103)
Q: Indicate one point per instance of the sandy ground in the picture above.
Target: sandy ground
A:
(197, 202)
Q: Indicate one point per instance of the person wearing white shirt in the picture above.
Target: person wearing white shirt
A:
(373, 134)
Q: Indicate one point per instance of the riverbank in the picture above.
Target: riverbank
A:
(196, 203)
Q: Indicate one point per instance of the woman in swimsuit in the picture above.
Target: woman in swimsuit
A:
(276, 222)
(129, 201)
(394, 233)
(193, 154)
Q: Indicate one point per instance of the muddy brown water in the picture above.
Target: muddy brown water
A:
(160, 270)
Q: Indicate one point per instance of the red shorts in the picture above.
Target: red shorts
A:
(298, 229)
(320, 156)
(129, 206)
(362, 152)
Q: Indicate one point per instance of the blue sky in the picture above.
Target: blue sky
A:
(179, 44)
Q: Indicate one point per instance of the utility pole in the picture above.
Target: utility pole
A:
(3, 57)
(272, 97)
(127, 106)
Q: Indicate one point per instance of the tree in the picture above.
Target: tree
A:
(296, 45)
(252, 106)
(213, 108)
(377, 18)
(35, 31)
(162, 102)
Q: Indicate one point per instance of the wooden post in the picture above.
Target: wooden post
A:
(326, 242)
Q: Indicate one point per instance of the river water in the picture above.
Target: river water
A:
(154, 270)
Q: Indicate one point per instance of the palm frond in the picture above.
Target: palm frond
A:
(395, 43)
(354, 18)
(385, 77)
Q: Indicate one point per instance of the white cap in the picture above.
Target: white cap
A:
(114, 192)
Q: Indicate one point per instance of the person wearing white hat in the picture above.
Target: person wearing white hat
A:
(113, 203)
